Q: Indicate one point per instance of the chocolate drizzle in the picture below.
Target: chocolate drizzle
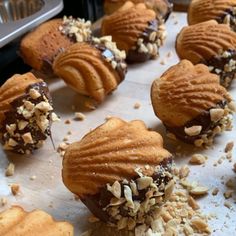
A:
(31, 126)
(98, 203)
(224, 65)
(204, 120)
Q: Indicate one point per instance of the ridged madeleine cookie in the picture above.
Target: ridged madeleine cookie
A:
(212, 44)
(162, 8)
(119, 167)
(26, 113)
(17, 222)
(191, 103)
(136, 30)
(221, 11)
(94, 68)
(39, 47)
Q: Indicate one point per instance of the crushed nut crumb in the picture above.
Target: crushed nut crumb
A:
(15, 189)
(79, 116)
(10, 170)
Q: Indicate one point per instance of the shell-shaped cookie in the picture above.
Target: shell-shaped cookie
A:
(15, 222)
(161, 7)
(127, 24)
(204, 10)
(83, 67)
(111, 153)
(12, 89)
(200, 42)
(39, 47)
(185, 91)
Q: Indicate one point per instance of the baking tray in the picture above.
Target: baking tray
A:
(19, 16)
(47, 190)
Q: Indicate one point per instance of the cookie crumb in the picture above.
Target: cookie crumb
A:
(235, 167)
(169, 54)
(137, 105)
(15, 189)
(163, 62)
(197, 159)
(10, 170)
(67, 122)
(79, 116)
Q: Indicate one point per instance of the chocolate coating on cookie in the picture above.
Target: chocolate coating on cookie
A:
(224, 65)
(27, 123)
(125, 199)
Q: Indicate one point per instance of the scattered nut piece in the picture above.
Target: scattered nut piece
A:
(197, 159)
(228, 194)
(93, 219)
(193, 203)
(15, 188)
(79, 116)
(229, 146)
(137, 105)
(89, 105)
(184, 172)
(33, 177)
(199, 190)
(235, 167)
(55, 117)
(227, 204)
(10, 170)
(230, 183)
(200, 224)
(215, 191)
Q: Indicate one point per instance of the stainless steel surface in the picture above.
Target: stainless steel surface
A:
(19, 16)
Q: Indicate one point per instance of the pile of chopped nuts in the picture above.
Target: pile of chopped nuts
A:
(140, 199)
(77, 29)
(180, 215)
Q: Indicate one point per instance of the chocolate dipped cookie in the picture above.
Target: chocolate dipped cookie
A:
(162, 8)
(92, 68)
(121, 172)
(192, 104)
(222, 11)
(26, 113)
(136, 30)
(212, 44)
(39, 47)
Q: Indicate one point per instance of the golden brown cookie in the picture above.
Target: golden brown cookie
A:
(94, 69)
(191, 103)
(162, 8)
(115, 164)
(136, 30)
(16, 222)
(39, 47)
(25, 113)
(221, 11)
(212, 44)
